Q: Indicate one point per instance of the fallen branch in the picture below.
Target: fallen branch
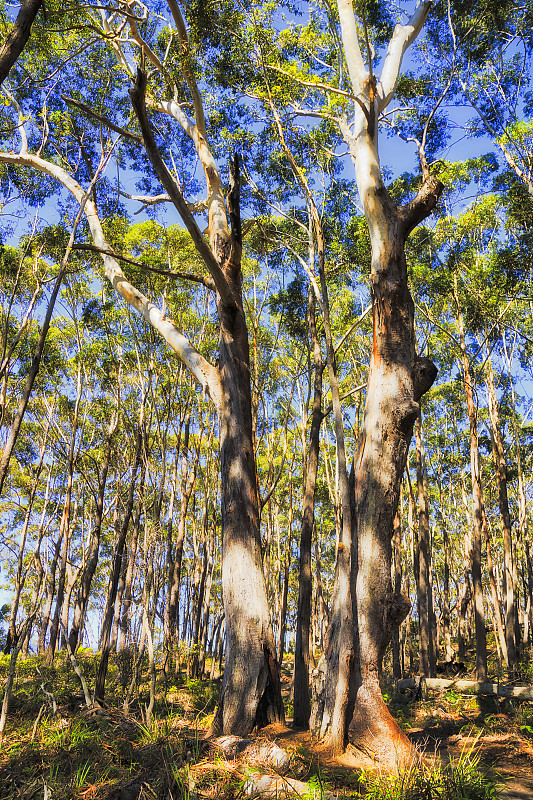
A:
(467, 687)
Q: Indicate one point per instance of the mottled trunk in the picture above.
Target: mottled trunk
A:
(251, 688)
(397, 380)
(302, 698)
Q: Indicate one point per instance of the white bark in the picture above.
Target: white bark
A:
(216, 204)
(206, 375)
(350, 40)
(470, 687)
(403, 36)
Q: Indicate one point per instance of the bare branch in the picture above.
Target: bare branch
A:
(207, 375)
(101, 118)
(137, 95)
(403, 36)
(204, 280)
(423, 204)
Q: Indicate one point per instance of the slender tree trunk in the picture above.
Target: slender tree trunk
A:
(284, 598)
(82, 599)
(446, 617)
(499, 629)
(186, 487)
(427, 661)
(50, 592)
(397, 584)
(477, 502)
(65, 526)
(130, 570)
(30, 380)
(508, 555)
(302, 698)
(116, 566)
(12, 636)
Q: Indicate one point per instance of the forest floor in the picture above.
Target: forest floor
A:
(104, 754)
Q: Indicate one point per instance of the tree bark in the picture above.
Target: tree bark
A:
(363, 598)
(251, 688)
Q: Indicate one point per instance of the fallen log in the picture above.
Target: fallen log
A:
(276, 787)
(467, 687)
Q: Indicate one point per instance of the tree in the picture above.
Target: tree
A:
(370, 611)
(251, 688)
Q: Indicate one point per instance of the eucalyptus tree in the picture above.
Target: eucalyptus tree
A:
(365, 609)
(487, 53)
(251, 687)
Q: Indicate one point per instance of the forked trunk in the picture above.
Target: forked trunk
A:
(396, 382)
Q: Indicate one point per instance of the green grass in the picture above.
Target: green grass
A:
(460, 780)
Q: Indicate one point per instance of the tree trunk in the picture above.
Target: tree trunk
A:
(50, 592)
(477, 502)
(503, 500)
(130, 570)
(251, 688)
(116, 565)
(20, 575)
(499, 630)
(18, 36)
(427, 660)
(446, 619)
(397, 584)
(82, 599)
(397, 380)
(302, 699)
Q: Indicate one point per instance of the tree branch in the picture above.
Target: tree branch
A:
(18, 36)
(137, 95)
(350, 40)
(186, 69)
(204, 280)
(421, 207)
(207, 375)
(403, 36)
(101, 118)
